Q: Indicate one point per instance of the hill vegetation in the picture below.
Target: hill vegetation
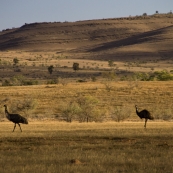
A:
(140, 36)
(138, 48)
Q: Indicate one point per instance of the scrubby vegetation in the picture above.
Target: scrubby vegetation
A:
(18, 80)
(156, 76)
(92, 102)
(83, 119)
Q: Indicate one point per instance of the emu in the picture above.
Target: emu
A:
(15, 118)
(144, 114)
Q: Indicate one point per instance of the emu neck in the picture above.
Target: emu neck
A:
(137, 112)
(6, 112)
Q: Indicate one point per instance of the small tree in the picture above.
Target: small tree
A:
(75, 66)
(87, 106)
(111, 63)
(50, 69)
(15, 61)
(70, 110)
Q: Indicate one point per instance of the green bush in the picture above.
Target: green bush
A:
(19, 81)
(70, 111)
(53, 81)
(163, 75)
(157, 75)
(88, 107)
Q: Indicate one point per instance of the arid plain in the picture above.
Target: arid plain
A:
(57, 138)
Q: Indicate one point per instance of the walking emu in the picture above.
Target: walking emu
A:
(15, 118)
(144, 114)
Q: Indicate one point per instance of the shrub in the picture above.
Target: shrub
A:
(25, 105)
(18, 80)
(163, 75)
(53, 81)
(15, 61)
(93, 79)
(120, 113)
(157, 75)
(110, 63)
(6, 83)
(88, 106)
(50, 69)
(75, 66)
(108, 85)
(70, 111)
(109, 75)
(30, 82)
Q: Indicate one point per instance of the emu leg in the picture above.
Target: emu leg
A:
(20, 127)
(14, 127)
(145, 122)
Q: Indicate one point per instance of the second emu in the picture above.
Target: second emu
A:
(144, 114)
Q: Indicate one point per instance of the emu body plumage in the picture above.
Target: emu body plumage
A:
(15, 118)
(144, 114)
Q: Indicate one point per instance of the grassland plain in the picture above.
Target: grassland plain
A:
(50, 145)
(49, 99)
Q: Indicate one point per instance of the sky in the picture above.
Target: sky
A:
(15, 13)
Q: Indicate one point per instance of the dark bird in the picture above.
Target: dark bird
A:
(15, 118)
(144, 114)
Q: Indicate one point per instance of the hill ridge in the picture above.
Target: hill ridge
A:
(106, 37)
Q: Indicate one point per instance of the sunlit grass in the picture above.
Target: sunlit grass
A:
(157, 97)
(86, 147)
(53, 146)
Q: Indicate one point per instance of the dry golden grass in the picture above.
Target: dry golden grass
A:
(86, 147)
(137, 44)
(54, 146)
(157, 97)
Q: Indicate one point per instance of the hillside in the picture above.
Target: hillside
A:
(132, 37)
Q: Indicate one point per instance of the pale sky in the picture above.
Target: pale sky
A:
(15, 13)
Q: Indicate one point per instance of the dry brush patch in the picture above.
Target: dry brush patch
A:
(88, 147)
(157, 97)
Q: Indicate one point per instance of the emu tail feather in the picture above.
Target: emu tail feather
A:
(152, 118)
(24, 121)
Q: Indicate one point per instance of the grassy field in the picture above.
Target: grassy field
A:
(49, 145)
(157, 97)
(52, 146)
